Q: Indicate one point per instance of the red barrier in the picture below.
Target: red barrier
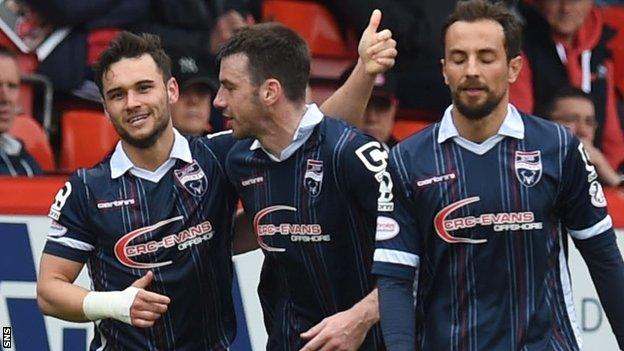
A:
(33, 196)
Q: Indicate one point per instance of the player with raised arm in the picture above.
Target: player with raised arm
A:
(310, 184)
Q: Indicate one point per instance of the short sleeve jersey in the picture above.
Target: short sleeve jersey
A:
(179, 227)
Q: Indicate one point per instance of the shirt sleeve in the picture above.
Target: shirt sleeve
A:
(363, 165)
(397, 251)
(70, 235)
(582, 203)
(396, 313)
(584, 214)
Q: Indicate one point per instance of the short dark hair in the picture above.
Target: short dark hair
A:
(273, 51)
(6, 52)
(476, 10)
(565, 92)
(129, 45)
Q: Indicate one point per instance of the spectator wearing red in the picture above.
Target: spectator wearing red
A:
(566, 44)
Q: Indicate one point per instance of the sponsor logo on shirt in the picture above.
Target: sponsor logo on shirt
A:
(114, 203)
(500, 222)
(436, 179)
(125, 251)
(387, 228)
(252, 181)
(313, 178)
(56, 229)
(312, 233)
(528, 166)
(596, 194)
(192, 178)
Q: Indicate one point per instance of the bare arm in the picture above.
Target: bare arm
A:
(345, 330)
(56, 294)
(244, 236)
(377, 51)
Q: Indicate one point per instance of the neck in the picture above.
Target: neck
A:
(280, 128)
(154, 156)
(482, 129)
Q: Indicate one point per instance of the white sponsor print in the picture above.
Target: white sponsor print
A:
(387, 228)
(373, 156)
(115, 203)
(252, 181)
(436, 179)
(56, 229)
(384, 201)
(59, 201)
(596, 194)
(589, 167)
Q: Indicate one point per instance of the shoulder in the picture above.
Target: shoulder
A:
(539, 130)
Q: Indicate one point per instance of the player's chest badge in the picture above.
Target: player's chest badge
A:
(192, 178)
(528, 166)
(313, 178)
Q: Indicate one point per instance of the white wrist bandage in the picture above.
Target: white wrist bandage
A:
(109, 304)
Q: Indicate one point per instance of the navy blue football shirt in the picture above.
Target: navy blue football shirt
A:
(176, 221)
(313, 211)
(481, 229)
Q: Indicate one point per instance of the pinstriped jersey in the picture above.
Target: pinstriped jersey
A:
(481, 229)
(178, 226)
(314, 215)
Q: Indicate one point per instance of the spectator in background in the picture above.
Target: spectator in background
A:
(574, 108)
(14, 159)
(68, 65)
(566, 44)
(416, 26)
(198, 26)
(191, 113)
(378, 120)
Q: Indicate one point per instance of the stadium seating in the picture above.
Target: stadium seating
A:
(331, 52)
(87, 137)
(35, 139)
(404, 128)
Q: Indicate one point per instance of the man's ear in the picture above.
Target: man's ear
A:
(515, 65)
(270, 91)
(173, 90)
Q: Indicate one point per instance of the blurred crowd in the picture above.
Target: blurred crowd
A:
(573, 65)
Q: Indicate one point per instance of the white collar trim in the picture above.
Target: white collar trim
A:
(120, 163)
(311, 118)
(512, 127)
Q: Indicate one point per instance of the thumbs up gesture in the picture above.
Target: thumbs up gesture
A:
(147, 306)
(377, 50)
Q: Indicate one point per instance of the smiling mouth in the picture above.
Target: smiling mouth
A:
(137, 118)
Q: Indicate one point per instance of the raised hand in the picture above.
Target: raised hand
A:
(377, 50)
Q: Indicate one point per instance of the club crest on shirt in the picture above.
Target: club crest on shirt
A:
(313, 178)
(528, 166)
(192, 178)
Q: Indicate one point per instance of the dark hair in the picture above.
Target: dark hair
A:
(547, 109)
(6, 52)
(273, 51)
(476, 10)
(129, 45)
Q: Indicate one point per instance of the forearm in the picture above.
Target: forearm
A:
(61, 299)
(368, 308)
(350, 100)
(396, 309)
(607, 271)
